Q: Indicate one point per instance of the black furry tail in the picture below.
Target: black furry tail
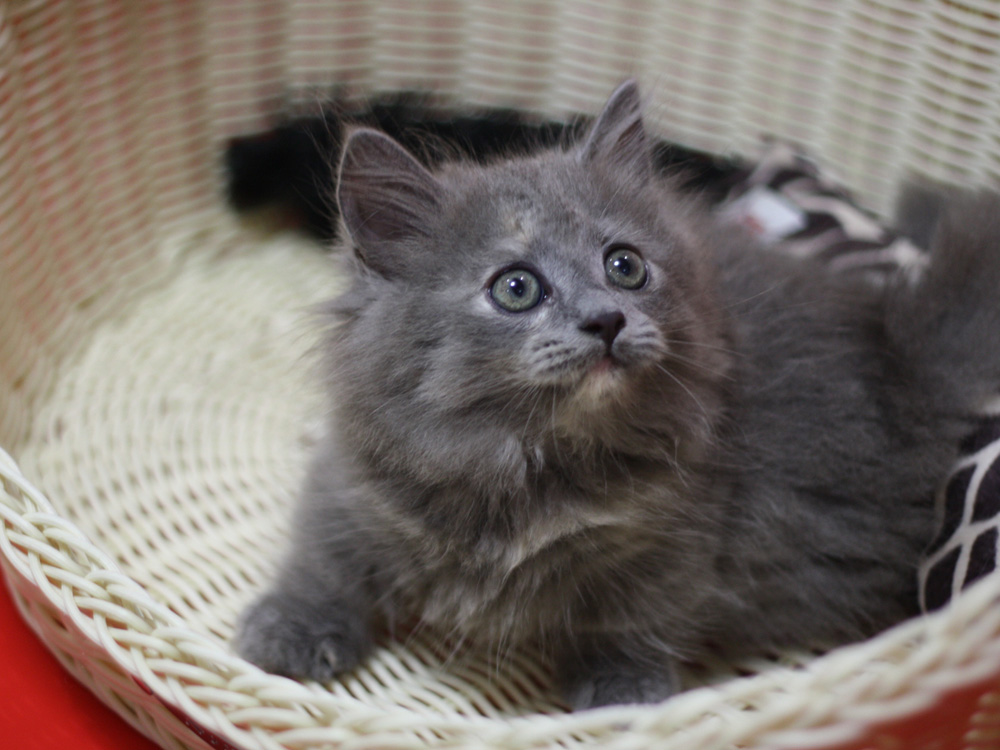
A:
(292, 167)
(946, 322)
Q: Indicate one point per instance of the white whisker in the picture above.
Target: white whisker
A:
(681, 383)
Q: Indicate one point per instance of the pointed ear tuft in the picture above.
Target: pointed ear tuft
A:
(386, 198)
(618, 135)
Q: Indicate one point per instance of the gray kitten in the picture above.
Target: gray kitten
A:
(572, 408)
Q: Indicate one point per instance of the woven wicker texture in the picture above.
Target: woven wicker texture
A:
(158, 395)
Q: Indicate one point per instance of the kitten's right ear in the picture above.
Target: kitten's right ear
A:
(386, 197)
(618, 136)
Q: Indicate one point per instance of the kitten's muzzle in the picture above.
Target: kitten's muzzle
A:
(606, 325)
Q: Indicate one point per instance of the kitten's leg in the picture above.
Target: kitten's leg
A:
(315, 621)
(294, 634)
(608, 671)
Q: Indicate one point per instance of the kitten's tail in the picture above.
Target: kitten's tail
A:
(946, 323)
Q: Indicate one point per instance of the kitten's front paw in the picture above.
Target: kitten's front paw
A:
(604, 675)
(616, 688)
(302, 639)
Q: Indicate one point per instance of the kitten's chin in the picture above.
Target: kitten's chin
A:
(602, 383)
(583, 414)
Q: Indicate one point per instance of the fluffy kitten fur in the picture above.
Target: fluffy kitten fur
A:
(739, 454)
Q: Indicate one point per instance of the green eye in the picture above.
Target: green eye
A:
(516, 290)
(625, 267)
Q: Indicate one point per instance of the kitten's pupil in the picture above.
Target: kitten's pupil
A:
(516, 290)
(625, 268)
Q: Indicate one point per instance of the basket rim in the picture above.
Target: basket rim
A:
(53, 554)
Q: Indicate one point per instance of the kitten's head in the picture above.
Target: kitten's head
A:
(540, 300)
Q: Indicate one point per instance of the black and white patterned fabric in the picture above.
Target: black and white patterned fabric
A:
(789, 204)
(786, 201)
(965, 549)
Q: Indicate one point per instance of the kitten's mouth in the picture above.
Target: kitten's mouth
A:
(602, 378)
(605, 364)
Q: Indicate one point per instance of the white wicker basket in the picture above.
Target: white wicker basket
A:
(154, 389)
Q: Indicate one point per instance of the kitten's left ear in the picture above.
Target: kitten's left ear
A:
(618, 135)
(386, 198)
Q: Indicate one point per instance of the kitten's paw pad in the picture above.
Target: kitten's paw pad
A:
(299, 639)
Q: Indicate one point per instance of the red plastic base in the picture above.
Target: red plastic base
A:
(41, 706)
